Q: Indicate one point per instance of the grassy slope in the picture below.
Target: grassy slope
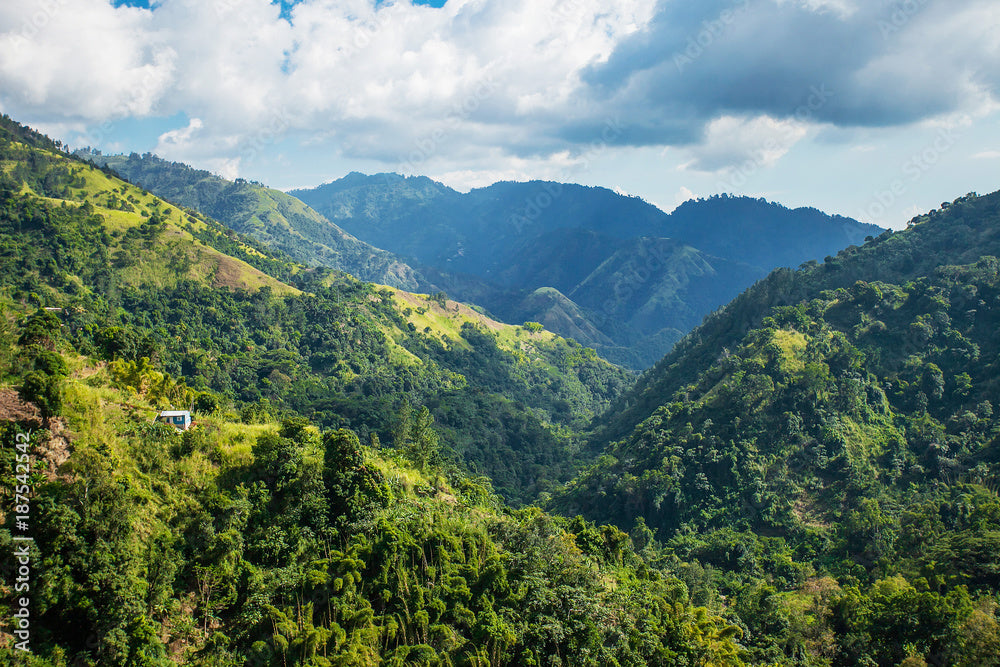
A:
(176, 255)
(268, 215)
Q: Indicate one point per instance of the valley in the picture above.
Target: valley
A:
(378, 475)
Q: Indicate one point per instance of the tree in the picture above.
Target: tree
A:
(43, 390)
(423, 445)
(41, 329)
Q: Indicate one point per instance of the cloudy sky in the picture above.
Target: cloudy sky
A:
(876, 109)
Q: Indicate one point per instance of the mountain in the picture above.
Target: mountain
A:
(808, 479)
(266, 334)
(832, 432)
(631, 292)
(763, 234)
(278, 529)
(284, 223)
(634, 292)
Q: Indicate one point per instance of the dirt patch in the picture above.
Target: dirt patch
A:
(13, 409)
(56, 450)
(229, 274)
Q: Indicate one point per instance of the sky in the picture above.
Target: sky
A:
(877, 110)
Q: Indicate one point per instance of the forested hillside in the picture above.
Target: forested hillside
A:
(276, 543)
(808, 478)
(608, 275)
(822, 452)
(316, 513)
(138, 283)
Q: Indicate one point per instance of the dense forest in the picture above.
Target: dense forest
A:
(140, 287)
(376, 477)
(324, 509)
(823, 451)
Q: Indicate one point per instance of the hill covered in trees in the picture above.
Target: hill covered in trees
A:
(823, 451)
(613, 272)
(149, 284)
(280, 529)
(276, 543)
(808, 478)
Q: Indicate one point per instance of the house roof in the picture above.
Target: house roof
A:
(175, 413)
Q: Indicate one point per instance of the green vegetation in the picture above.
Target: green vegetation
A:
(808, 479)
(142, 287)
(279, 544)
(280, 221)
(822, 452)
(279, 530)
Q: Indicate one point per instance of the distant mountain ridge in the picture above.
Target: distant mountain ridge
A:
(637, 277)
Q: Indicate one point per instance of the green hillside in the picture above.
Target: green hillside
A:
(626, 290)
(808, 479)
(278, 220)
(123, 224)
(828, 445)
(142, 284)
(279, 544)
(320, 510)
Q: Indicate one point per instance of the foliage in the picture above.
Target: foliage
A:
(281, 222)
(340, 351)
(157, 548)
(831, 424)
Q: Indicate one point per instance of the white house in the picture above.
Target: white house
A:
(180, 419)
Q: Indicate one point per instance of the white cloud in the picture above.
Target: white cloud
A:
(234, 63)
(173, 138)
(486, 87)
(82, 60)
(683, 195)
(734, 142)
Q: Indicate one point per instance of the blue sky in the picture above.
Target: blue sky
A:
(875, 110)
